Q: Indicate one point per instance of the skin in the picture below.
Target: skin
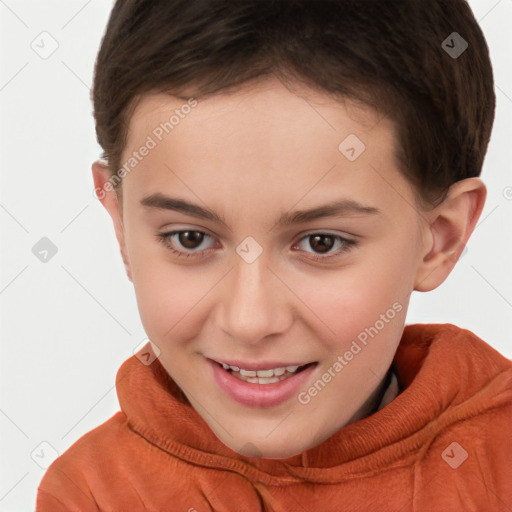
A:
(251, 156)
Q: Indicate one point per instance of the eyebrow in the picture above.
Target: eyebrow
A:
(339, 208)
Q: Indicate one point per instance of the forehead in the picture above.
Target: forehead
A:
(267, 104)
(265, 138)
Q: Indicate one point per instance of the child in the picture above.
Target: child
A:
(281, 176)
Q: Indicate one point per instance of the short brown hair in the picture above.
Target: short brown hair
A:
(386, 54)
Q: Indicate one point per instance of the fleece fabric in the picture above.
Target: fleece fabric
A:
(442, 444)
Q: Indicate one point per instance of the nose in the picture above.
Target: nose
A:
(255, 303)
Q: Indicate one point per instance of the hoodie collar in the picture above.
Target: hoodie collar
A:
(438, 370)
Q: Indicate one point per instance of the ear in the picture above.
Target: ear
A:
(106, 194)
(450, 225)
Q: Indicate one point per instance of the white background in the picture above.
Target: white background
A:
(68, 324)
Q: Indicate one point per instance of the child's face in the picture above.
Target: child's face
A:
(251, 158)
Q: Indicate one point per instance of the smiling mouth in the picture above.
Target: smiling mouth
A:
(269, 376)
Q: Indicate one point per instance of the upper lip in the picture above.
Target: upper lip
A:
(259, 365)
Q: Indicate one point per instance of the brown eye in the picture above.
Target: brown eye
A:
(190, 239)
(322, 246)
(187, 243)
(321, 243)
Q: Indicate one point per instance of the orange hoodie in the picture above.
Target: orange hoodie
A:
(443, 444)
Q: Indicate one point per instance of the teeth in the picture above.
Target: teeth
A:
(264, 373)
(273, 372)
(256, 380)
(254, 375)
(260, 380)
(247, 373)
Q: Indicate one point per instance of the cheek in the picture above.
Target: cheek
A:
(352, 299)
(168, 296)
(339, 304)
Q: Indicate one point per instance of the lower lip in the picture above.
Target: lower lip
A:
(259, 395)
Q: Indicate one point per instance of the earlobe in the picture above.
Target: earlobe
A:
(106, 194)
(451, 225)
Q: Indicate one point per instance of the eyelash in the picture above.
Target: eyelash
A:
(348, 245)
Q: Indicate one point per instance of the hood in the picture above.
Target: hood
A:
(445, 374)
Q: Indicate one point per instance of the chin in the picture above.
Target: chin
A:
(266, 450)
